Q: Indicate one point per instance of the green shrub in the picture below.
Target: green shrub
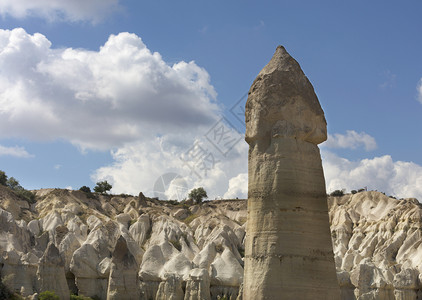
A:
(3, 178)
(13, 183)
(87, 192)
(48, 295)
(85, 189)
(354, 192)
(102, 187)
(26, 195)
(337, 193)
(198, 194)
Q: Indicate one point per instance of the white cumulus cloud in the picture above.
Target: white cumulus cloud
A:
(138, 166)
(65, 10)
(399, 178)
(98, 99)
(351, 140)
(14, 151)
(238, 187)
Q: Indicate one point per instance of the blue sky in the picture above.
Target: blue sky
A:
(129, 91)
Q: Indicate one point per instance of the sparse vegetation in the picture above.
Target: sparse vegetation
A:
(102, 187)
(190, 218)
(14, 185)
(48, 295)
(354, 192)
(87, 191)
(176, 244)
(198, 194)
(337, 193)
(3, 178)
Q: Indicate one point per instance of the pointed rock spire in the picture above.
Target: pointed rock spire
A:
(282, 102)
(288, 244)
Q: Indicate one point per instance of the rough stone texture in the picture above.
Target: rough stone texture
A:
(51, 273)
(376, 241)
(377, 246)
(142, 200)
(288, 246)
(171, 288)
(123, 281)
(198, 285)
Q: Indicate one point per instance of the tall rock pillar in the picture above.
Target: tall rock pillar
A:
(289, 253)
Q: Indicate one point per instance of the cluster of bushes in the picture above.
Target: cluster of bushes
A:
(102, 187)
(339, 193)
(14, 185)
(49, 295)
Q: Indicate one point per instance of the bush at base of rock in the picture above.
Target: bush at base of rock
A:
(48, 295)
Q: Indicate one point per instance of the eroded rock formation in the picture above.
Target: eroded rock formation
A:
(377, 246)
(51, 273)
(116, 247)
(288, 246)
(376, 241)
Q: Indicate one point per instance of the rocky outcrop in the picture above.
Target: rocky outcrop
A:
(112, 247)
(198, 285)
(51, 273)
(171, 288)
(288, 246)
(377, 246)
(123, 281)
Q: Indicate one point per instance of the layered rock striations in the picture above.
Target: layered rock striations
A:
(288, 246)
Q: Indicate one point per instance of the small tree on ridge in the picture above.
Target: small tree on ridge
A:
(102, 187)
(198, 194)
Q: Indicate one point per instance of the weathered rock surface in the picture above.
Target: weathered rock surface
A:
(51, 273)
(123, 281)
(377, 246)
(288, 246)
(113, 247)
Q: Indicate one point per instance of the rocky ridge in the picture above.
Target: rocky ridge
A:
(112, 246)
(120, 247)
